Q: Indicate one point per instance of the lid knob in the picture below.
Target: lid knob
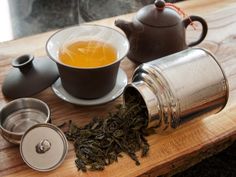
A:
(43, 146)
(160, 4)
(23, 62)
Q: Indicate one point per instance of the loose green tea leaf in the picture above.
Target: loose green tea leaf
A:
(102, 141)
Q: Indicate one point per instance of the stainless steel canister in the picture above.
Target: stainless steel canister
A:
(179, 87)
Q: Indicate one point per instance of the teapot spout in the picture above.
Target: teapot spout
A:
(127, 27)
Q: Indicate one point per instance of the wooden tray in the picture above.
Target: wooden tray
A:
(170, 153)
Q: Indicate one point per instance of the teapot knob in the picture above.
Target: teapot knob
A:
(160, 4)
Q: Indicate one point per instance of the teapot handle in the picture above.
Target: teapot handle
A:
(191, 19)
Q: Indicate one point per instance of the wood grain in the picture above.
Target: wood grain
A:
(169, 153)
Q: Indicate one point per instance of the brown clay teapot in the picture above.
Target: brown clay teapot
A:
(158, 30)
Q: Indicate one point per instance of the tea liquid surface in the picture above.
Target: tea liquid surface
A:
(87, 54)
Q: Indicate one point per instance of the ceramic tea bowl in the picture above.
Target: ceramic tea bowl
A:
(92, 82)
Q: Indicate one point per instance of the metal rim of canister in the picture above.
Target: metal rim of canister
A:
(170, 116)
(173, 115)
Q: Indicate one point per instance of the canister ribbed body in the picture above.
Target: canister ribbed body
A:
(180, 86)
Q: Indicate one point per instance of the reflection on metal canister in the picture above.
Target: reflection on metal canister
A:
(180, 87)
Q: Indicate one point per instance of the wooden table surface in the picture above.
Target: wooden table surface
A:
(169, 153)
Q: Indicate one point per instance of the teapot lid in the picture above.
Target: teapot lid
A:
(158, 15)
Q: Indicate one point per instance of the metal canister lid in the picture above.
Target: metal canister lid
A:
(43, 147)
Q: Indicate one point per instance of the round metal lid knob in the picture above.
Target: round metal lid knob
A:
(160, 4)
(43, 146)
